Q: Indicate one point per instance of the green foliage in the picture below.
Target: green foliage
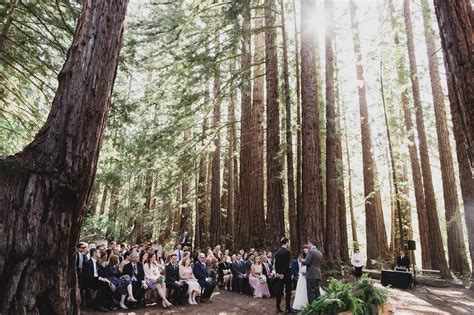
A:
(371, 295)
(339, 297)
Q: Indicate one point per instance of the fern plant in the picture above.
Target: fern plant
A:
(372, 296)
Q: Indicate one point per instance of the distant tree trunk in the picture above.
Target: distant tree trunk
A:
(215, 219)
(275, 209)
(312, 216)
(257, 211)
(289, 136)
(103, 201)
(243, 224)
(465, 177)
(331, 240)
(456, 248)
(456, 25)
(423, 222)
(114, 202)
(299, 200)
(6, 26)
(50, 180)
(91, 204)
(375, 227)
(231, 139)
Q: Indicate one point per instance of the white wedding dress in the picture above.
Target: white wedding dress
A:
(301, 296)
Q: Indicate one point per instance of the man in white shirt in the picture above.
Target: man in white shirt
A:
(179, 252)
(358, 263)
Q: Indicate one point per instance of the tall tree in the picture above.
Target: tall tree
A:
(275, 210)
(456, 248)
(215, 227)
(331, 240)
(49, 181)
(375, 227)
(257, 230)
(243, 222)
(312, 212)
(289, 137)
(456, 26)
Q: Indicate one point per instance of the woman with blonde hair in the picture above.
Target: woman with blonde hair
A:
(186, 274)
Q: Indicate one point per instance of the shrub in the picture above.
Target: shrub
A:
(372, 296)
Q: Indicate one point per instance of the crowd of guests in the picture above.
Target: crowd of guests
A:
(115, 276)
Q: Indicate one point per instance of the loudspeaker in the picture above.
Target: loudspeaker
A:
(411, 245)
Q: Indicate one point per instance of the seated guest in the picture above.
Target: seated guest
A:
(186, 274)
(123, 249)
(179, 253)
(116, 251)
(123, 285)
(403, 261)
(93, 281)
(135, 270)
(211, 264)
(155, 280)
(125, 260)
(102, 246)
(270, 257)
(173, 281)
(160, 260)
(239, 270)
(258, 284)
(217, 252)
(81, 249)
(295, 270)
(225, 274)
(202, 275)
(267, 271)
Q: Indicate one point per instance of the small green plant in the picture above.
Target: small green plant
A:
(338, 297)
(371, 296)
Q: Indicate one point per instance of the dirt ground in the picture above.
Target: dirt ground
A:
(414, 301)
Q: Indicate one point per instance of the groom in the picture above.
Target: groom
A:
(313, 271)
(283, 276)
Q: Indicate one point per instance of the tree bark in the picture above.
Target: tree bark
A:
(456, 248)
(243, 223)
(275, 220)
(456, 26)
(312, 216)
(331, 240)
(375, 227)
(103, 201)
(47, 184)
(215, 219)
(257, 228)
(289, 138)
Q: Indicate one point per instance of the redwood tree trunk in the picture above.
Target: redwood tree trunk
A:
(243, 223)
(215, 219)
(375, 227)
(47, 184)
(289, 140)
(331, 241)
(275, 210)
(312, 216)
(456, 25)
(456, 248)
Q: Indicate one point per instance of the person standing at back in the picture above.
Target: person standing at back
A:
(283, 276)
(313, 271)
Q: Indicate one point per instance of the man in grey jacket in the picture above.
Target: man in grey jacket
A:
(313, 271)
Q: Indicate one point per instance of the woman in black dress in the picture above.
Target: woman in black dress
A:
(122, 284)
(225, 274)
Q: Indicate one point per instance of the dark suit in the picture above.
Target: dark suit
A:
(295, 272)
(137, 276)
(403, 262)
(80, 268)
(91, 281)
(313, 273)
(185, 241)
(238, 269)
(282, 267)
(201, 273)
(172, 279)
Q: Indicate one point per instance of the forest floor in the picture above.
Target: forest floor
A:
(421, 300)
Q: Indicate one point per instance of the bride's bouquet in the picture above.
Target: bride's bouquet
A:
(262, 279)
(160, 279)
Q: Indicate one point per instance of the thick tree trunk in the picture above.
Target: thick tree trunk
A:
(289, 138)
(312, 216)
(199, 228)
(456, 25)
(47, 184)
(456, 248)
(243, 223)
(465, 178)
(297, 243)
(423, 223)
(275, 220)
(331, 240)
(375, 227)
(215, 228)
(257, 211)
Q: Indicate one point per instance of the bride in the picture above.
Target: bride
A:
(301, 297)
